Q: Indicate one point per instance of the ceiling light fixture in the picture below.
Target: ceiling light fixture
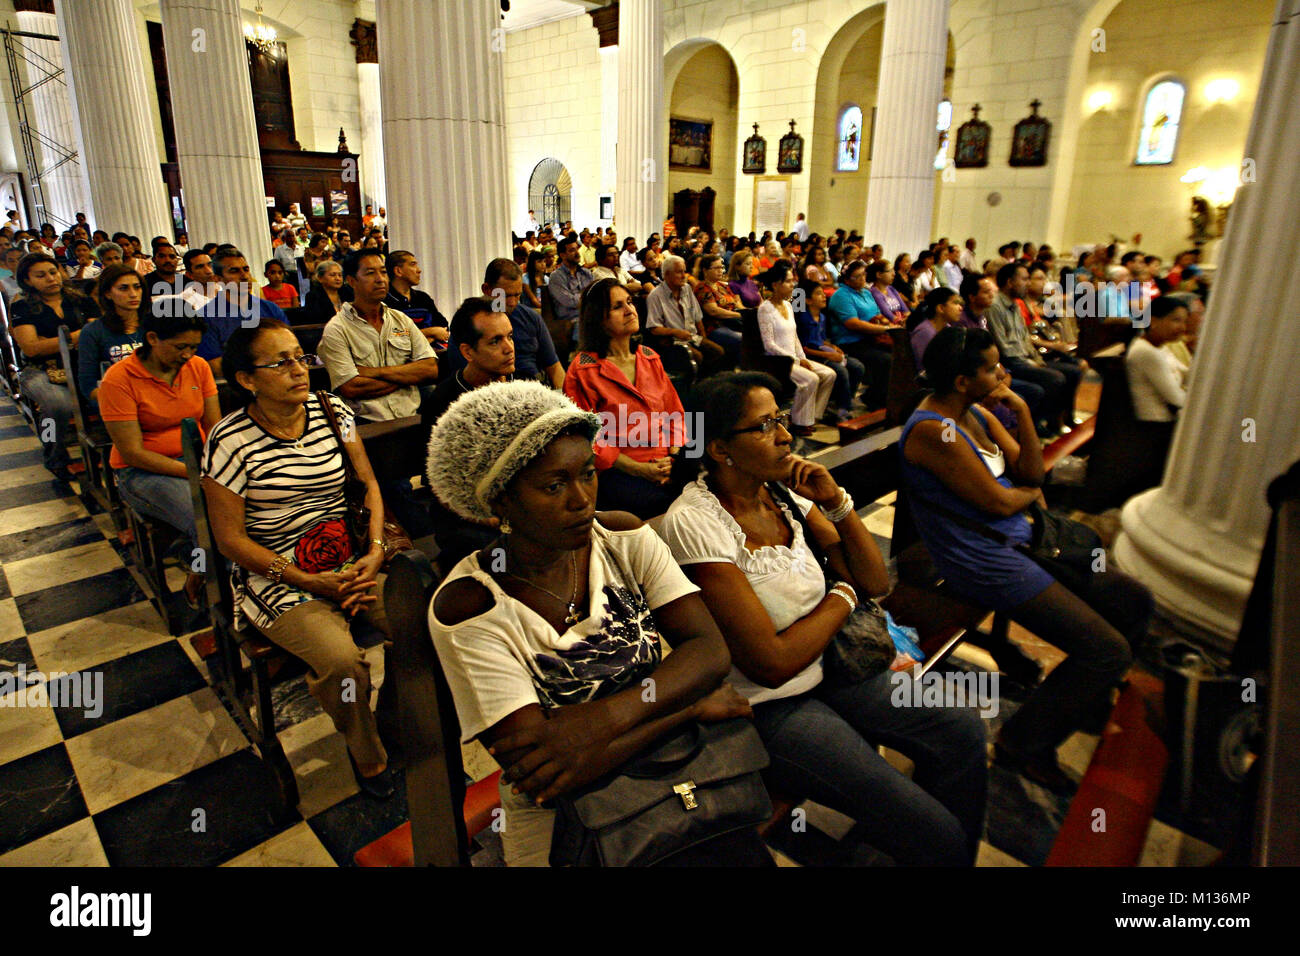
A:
(261, 36)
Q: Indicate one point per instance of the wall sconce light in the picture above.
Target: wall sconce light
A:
(1197, 174)
(1222, 90)
(1099, 100)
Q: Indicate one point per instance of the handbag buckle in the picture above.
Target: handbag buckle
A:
(683, 790)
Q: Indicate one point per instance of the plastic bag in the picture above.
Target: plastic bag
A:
(906, 644)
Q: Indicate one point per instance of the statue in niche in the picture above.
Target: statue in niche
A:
(1201, 218)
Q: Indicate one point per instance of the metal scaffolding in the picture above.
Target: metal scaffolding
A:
(55, 154)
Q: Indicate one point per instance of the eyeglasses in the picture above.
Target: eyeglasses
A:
(766, 425)
(284, 365)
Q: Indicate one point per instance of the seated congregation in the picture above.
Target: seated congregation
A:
(612, 448)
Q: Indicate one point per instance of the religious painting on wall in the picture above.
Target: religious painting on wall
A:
(318, 206)
(972, 142)
(1161, 114)
(789, 155)
(339, 202)
(848, 150)
(1029, 142)
(690, 144)
(755, 156)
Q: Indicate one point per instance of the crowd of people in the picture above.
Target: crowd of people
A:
(555, 431)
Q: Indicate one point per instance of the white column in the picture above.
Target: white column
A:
(65, 187)
(640, 200)
(443, 92)
(609, 126)
(373, 188)
(119, 156)
(900, 193)
(216, 131)
(1195, 540)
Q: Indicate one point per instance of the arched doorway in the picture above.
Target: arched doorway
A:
(702, 118)
(550, 192)
(847, 78)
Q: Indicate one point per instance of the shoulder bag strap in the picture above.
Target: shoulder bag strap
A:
(327, 407)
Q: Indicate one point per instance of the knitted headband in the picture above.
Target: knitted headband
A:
(489, 435)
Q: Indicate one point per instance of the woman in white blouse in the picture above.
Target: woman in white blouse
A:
(736, 534)
(812, 382)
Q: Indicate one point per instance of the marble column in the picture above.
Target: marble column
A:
(119, 155)
(443, 91)
(640, 202)
(51, 114)
(373, 189)
(216, 131)
(609, 129)
(1196, 539)
(900, 192)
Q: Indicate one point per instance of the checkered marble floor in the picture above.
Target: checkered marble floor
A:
(164, 776)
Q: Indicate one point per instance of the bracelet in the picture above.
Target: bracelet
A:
(378, 542)
(853, 605)
(841, 510)
(277, 568)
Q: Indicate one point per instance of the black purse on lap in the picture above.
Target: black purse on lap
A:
(694, 798)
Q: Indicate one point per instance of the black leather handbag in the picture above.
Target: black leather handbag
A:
(694, 798)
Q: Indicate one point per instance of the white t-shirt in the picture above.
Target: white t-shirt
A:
(777, 328)
(787, 581)
(1153, 381)
(509, 657)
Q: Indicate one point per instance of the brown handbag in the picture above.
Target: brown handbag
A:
(354, 492)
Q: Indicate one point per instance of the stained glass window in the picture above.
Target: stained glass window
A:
(849, 153)
(1160, 117)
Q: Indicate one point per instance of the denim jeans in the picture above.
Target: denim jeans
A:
(823, 746)
(162, 497)
(55, 403)
(848, 375)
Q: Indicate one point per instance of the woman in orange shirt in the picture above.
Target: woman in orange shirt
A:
(644, 424)
(142, 400)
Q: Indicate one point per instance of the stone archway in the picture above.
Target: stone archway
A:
(704, 88)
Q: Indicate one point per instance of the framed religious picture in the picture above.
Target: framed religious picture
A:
(789, 156)
(755, 157)
(972, 142)
(1029, 142)
(690, 144)
(318, 206)
(339, 202)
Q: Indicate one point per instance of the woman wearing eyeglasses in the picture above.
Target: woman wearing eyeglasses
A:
(143, 399)
(737, 535)
(273, 479)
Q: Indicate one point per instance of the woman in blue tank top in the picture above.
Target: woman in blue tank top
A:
(961, 460)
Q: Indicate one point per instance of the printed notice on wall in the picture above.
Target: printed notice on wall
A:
(771, 204)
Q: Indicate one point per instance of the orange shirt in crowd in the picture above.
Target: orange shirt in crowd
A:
(286, 297)
(129, 392)
(633, 415)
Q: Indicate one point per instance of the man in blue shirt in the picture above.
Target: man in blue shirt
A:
(234, 306)
(535, 356)
(567, 282)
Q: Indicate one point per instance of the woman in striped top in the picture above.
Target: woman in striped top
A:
(273, 477)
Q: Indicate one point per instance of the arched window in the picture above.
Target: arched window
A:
(848, 151)
(942, 125)
(1161, 113)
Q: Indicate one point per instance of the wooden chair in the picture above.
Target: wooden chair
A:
(445, 814)
(97, 482)
(246, 689)
(754, 358)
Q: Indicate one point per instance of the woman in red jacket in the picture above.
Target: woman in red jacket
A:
(644, 424)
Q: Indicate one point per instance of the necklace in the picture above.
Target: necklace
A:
(573, 617)
(266, 423)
